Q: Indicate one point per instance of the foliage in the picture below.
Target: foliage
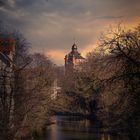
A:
(122, 56)
(25, 90)
(107, 83)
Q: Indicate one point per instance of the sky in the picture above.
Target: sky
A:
(52, 26)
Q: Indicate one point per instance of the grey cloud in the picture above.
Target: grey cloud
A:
(8, 5)
(110, 17)
(53, 24)
(2, 3)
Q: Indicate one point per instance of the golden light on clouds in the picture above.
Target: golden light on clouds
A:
(88, 49)
(51, 26)
(56, 55)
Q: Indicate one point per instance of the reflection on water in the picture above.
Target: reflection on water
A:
(74, 128)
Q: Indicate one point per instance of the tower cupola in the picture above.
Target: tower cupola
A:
(74, 47)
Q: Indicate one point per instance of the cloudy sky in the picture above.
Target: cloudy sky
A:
(51, 25)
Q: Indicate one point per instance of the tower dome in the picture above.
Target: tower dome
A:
(74, 47)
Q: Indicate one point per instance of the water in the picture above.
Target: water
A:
(73, 128)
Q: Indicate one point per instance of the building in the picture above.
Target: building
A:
(55, 90)
(7, 50)
(73, 59)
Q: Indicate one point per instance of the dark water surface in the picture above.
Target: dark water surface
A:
(74, 128)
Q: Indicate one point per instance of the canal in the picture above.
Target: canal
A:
(75, 128)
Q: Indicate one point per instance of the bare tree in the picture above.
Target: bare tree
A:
(24, 90)
(122, 59)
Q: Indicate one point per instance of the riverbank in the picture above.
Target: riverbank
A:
(75, 127)
(77, 114)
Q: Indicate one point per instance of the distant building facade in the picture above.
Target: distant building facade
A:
(73, 59)
(55, 90)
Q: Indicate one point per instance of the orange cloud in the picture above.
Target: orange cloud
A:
(88, 48)
(56, 55)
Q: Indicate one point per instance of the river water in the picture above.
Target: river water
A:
(74, 128)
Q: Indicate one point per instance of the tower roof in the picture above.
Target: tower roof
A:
(75, 53)
(74, 47)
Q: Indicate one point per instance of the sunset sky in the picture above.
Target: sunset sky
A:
(51, 25)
